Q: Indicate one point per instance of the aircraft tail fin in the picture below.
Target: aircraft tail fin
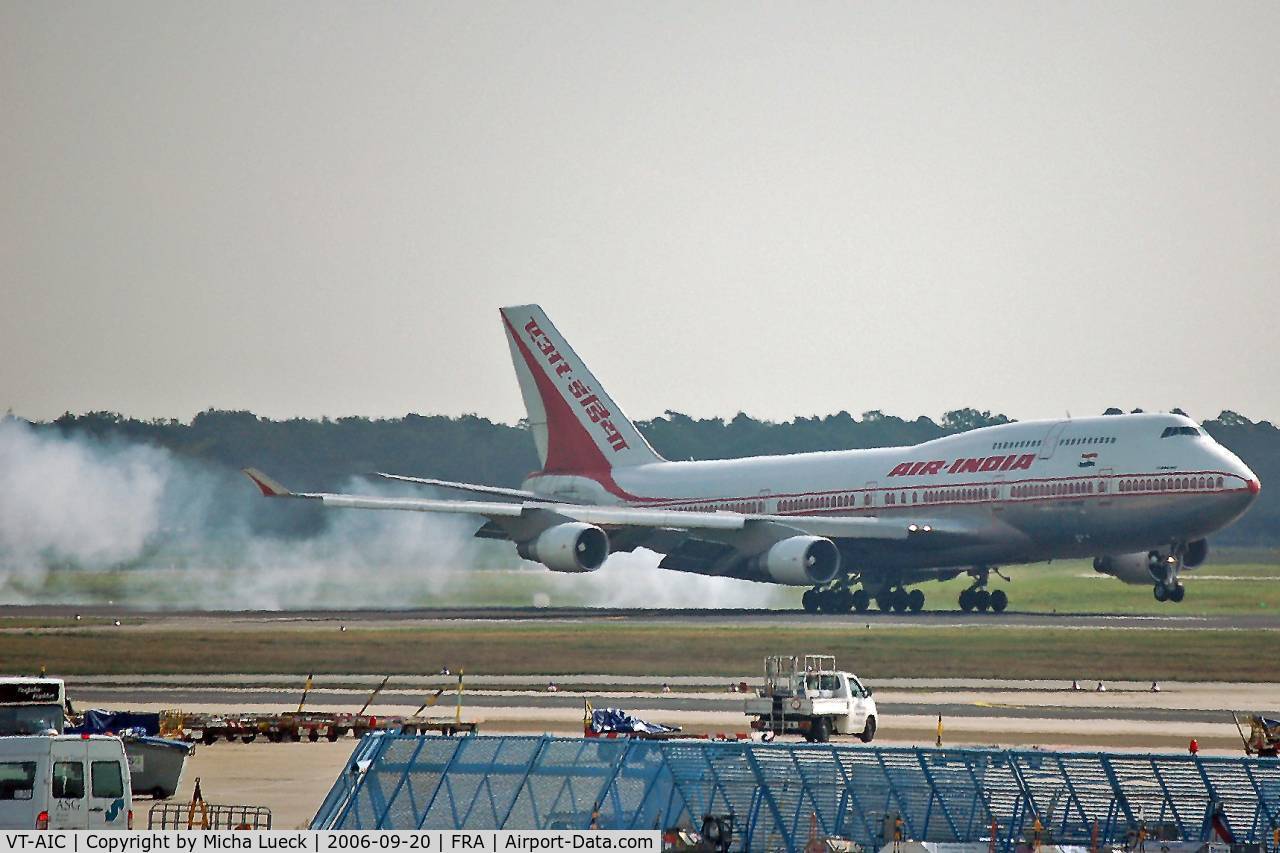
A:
(577, 427)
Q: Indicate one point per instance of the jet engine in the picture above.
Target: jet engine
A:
(1141, 568)
(1197, 552)
(569, 547)
(800, 561)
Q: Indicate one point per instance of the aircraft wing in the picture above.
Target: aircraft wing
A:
(471, 488)
(603, 516)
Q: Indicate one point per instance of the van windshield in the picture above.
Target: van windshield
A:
(30, 719)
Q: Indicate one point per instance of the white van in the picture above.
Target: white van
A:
(64, 782)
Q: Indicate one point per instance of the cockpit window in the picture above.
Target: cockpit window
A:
(1179, 430)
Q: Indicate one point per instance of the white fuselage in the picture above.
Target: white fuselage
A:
(1034, 490)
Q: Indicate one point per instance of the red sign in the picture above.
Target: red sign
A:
(580, 391)
(981, 464)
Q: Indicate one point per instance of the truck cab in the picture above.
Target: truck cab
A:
(64, 782)
(811, 697)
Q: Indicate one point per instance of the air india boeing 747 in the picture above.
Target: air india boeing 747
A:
(1139, 493)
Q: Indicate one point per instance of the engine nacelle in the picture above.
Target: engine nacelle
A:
(569, 547)
(801, 561)
(1197, 552)
(1144, 567)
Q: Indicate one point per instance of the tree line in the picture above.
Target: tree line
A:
(319, 455)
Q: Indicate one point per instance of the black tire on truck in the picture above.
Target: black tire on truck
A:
(821, 729)
(868, 731)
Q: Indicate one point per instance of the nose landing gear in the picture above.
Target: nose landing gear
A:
(1165, 571)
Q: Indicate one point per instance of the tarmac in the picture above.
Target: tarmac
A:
(292, 778)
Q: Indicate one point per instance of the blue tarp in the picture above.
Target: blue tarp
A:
(99, 722)
(618, 720)
(161, 743)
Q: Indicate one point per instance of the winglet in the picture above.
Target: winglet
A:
(269, 487)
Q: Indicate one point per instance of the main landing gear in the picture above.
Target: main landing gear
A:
(900, 600)
(978, 597)
(837, 598)
(840, 598)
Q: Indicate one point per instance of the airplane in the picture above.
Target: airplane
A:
(1139, 493)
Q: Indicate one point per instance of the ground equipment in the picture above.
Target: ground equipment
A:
(198, 814)
(1263, 739)
(809, 696)
(155, 764)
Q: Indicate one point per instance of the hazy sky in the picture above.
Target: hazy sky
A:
(317, 208)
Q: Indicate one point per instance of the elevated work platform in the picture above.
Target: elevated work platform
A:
(942, 795)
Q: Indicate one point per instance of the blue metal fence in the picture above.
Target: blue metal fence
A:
(776, 790)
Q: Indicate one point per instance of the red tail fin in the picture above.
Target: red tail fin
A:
(576, 426)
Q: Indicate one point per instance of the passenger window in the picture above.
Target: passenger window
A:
(107, 780)
(17, 780)
(68, 780)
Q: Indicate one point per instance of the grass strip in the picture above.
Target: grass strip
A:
(1137, 654)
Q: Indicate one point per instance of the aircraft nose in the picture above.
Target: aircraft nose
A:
(1244, 472)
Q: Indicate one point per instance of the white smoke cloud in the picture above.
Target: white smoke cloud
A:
(83, 519)
(63, 502)
(634, 580)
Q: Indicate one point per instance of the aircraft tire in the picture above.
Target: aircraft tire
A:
(901, 600)
(981, 600)
(1178, 593)
(809, 601)
(842, 601)
(915, 600)
(999, 601)
(861, 600)
(1160, 592)
(884, 601)
(966, 600)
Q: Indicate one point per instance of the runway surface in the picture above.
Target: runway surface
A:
(763, 618)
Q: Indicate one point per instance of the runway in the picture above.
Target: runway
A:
(1269, 621)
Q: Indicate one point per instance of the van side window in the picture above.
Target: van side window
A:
(107, 781)
(68, 780)
(17, 779)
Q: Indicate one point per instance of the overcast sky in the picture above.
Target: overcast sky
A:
(317, 208)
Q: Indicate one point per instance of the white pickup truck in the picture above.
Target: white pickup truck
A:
(809, 696)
